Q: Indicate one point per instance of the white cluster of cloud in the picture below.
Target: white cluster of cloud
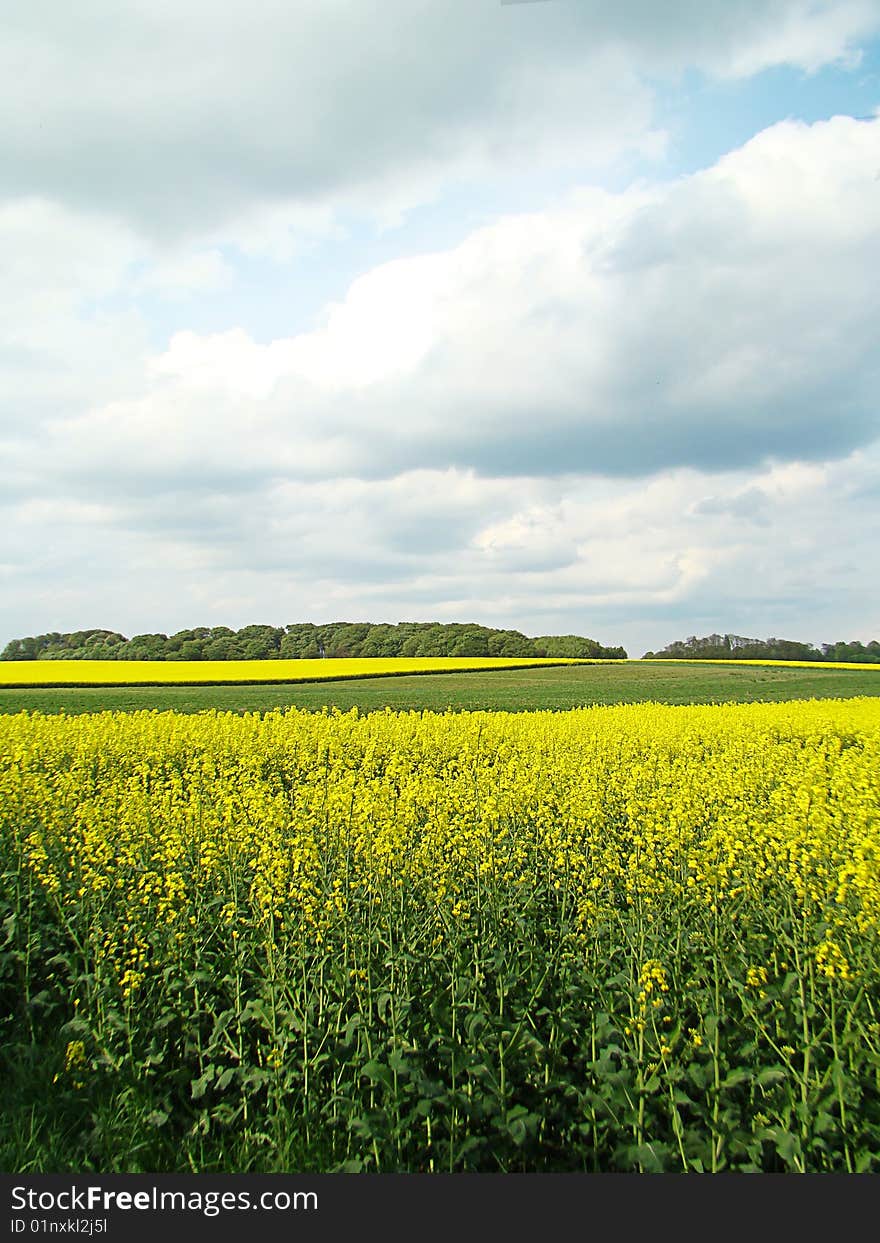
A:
(636, 409)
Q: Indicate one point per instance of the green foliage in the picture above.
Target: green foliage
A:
(514, 1049)
(855, 652)
(79, 645)
(735, 647)
(305, 641)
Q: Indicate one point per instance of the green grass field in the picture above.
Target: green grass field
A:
(507, 690)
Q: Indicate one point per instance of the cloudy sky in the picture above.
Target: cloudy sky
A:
(558, 316)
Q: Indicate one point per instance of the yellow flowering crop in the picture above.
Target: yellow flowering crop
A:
(782, 664)
(638, 802)
(403, 891)
(218, 672)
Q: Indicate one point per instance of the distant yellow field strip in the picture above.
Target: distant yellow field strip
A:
(782, 664)
(188, 672)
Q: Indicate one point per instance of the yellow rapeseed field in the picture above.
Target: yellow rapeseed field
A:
(408, 940)
(46, 673)
(161, 672)
(781, 664)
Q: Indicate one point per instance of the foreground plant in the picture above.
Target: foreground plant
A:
(618, 938)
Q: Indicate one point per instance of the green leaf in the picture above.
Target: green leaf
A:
(199, 1086)
(76, 1027)
(226, 1114)
(398, 1063)
(823, 1122)
(788, 1147)
(774, 1074)
(378, 1072)
(838, 1075)
(648, 1156)
(700, 1075)
(788, 984)
(734, 1077)
(352, 1026)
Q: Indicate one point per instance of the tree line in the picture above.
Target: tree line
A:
(736, 647)
(303, 641)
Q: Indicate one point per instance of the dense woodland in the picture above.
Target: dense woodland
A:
(735, 647)
(305, 641)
